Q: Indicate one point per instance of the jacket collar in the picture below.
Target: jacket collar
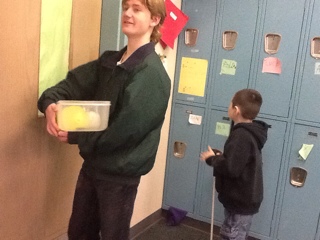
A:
(110, 58)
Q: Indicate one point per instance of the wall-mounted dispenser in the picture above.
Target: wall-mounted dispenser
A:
(229, 39)
(272, 43)
(298, 176)
(315, 47)
(191, 36)
(179, 149)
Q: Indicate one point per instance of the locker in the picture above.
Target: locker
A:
(301, 206)
(309, 92)
(272, 156)
(240, 18)
(217, 118)
(182, 164)
(272, 159)
(201, 18)
(277, 87)
(248, 32)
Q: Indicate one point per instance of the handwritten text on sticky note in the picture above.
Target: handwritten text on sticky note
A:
(222, 129)
(305, 151)
(228, 67)
(195, 119)
(271, 65)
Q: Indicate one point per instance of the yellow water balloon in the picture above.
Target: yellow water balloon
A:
(72, 118)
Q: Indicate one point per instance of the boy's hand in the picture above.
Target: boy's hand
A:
(206, 154)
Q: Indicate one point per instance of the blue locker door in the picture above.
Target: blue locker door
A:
(219, 125)
(201, 15)
(285, 18)
(241, 17)
(309, 92)
(272, 157)
(301, 205)
(182, 171)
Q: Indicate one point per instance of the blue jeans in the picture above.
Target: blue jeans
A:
(102, 209)
(235, 226)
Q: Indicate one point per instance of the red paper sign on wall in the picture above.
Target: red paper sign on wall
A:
(173, 24)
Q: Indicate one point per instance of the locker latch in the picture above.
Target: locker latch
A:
(298, 176)
(191, 36)
(229, 40)
(179, 149)
(272, 43)
(315, 47)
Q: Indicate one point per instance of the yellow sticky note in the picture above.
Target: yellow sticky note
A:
(228, 67)
(222, 129)
(193, 75)
(305, 150)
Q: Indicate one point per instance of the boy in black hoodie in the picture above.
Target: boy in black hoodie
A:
(238, 170)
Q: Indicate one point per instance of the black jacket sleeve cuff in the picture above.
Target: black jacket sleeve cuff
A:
(42, 106)
(209, 161)
(73, 137)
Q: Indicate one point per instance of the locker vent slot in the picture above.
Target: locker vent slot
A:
(272, 43)
(315, 47)
(229, 40)
(313, 134)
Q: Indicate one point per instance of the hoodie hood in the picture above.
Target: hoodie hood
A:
(258, 129)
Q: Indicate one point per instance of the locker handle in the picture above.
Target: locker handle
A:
(229, 39)
(191, 36)
(315, 47)
(298, 176)
(272, 43)
(179, 149)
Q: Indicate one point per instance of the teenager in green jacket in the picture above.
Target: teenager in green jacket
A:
(138, 87)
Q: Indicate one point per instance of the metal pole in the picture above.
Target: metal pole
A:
(212, 209)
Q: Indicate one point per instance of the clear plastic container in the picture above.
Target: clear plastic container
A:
(83, 116)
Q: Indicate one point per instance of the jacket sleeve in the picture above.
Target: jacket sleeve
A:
(143, 109)
(80, 84)
(235, 156)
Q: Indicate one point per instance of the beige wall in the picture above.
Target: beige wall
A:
(37, 173)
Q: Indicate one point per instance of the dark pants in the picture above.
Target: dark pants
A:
(102, 209)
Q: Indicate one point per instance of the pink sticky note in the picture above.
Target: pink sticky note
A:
(271, 65)
(173, 24)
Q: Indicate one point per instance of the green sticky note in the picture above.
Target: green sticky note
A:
(228, 67)
(54, 42)
(222, 129)
(305, 151)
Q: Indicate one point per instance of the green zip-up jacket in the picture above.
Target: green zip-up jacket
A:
(138, 90)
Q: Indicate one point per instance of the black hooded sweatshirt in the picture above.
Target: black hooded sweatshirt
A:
(238, 171)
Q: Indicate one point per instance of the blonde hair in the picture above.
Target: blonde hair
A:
(157, 8)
